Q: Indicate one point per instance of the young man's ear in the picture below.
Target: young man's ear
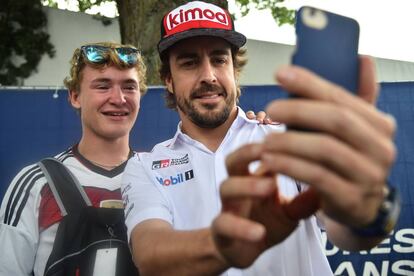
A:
(74, 99)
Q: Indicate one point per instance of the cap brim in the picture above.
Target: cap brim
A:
(233, 37)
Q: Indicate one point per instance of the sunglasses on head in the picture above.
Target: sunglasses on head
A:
(99, 54)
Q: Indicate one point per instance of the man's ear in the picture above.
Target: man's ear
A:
(169, 84)
(74, 99)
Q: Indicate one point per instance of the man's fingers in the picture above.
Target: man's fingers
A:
(241, 187)
(237, 163)
(337, 121)
(368, 87)
(227, 225)
(251, 115)
(303, 205)
(324, 149)
(304, 83)
(327, 183)
(261, 115)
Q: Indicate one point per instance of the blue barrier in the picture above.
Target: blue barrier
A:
(35, 124)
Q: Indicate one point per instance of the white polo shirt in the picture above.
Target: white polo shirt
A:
(179, 180)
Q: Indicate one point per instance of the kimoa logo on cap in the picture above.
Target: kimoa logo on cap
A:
(196, 11)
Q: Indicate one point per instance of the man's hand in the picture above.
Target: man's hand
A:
(261, 117)
(347, 159)
(254, 215)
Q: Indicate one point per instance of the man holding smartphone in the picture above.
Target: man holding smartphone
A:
(198, 218)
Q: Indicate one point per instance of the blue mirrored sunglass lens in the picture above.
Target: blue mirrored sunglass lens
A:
(94, 53)
(99, 54)
(127, 55)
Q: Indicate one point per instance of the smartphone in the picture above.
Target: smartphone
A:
(327, 44)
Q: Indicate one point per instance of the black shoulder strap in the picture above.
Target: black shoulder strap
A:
(66, 189)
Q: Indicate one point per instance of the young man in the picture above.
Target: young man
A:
(105, 85)
(187, 215)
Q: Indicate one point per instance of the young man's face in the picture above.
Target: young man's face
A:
(109, 101)
(202, 79)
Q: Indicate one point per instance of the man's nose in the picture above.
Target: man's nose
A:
(207, 74)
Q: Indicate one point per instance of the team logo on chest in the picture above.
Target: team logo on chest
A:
(165, 163)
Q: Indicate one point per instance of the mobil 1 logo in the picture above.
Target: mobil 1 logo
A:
(176, 179)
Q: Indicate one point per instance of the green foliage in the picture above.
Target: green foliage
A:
(84, 5)
(24, 40)
(50, 3)
(282, 15)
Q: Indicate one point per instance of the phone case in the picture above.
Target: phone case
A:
(327, 44)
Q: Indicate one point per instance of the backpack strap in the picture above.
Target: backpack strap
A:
(65, 187)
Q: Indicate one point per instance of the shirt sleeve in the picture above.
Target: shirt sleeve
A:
(142, 198)
(19, 231)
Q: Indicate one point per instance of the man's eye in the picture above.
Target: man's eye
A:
(188, 63)
(220, 60)
(130, 87)
(102, 87)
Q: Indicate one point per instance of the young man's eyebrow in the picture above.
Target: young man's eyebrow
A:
(130, 81)
(106, 80)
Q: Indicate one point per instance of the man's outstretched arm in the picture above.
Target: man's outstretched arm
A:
(158, 249)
